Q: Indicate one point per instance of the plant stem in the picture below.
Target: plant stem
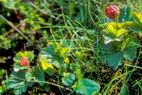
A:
(53, 84)
(15, 28)
(116, 23)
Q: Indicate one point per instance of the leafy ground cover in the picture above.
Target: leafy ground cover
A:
(70, 47)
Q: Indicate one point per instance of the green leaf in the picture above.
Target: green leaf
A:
(68, 44)
(112, 54)
(136, 28)
(78, 54)
(68, 79)
(18, 67)
(48, 51)
(96, 93)
(28, 54)
(112, 33)
(29, 75)
(2, 90)
(17, 81)
(3, 0)
(119, 25)
(124, 90)
(47, 67)
(125, 14)
(86, 86)
(115, 52)
(60, 51)
(62, 69)
(38, 75)
(120, 32)
(137, 18)
(79, 73)
(50, 54)
(12, 4)
(3, 59)
(76, 68)
(20, 75)
(129, 47)
(115, 60)
(2, 72)
(130, 53)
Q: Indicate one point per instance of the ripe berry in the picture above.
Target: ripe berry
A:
(112, 12)
(24, 61)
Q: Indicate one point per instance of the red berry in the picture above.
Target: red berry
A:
(112, 12)
(24, 61)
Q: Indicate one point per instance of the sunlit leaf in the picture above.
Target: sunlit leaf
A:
(47, 67)
(2, 89)
(60, 51)
(120, 32)
(137, 18)
(2, 59)
(66, 60)
(112, 33)
(2, 72)
(28, 54)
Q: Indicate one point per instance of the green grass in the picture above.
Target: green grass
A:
(74, 24)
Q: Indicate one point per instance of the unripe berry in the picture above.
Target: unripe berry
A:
(24, 61)
(112, 12)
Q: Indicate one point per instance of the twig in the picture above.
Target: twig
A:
(50, 83)
(15, 28)
(52, 16)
